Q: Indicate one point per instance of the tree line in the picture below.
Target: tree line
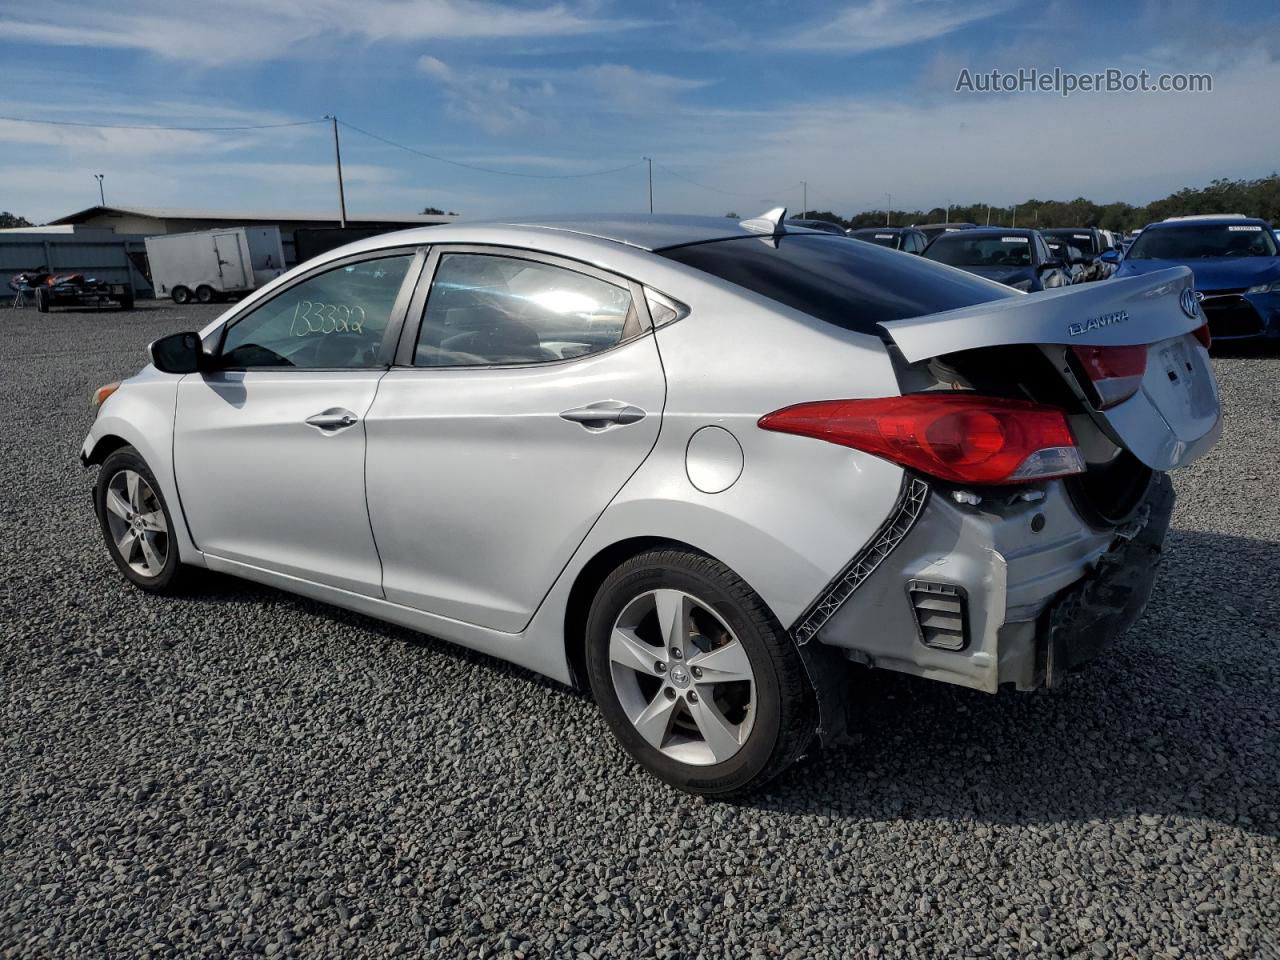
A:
(1254, 198)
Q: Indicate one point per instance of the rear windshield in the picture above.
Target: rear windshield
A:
(841, 281)
(1203, 241)
(964, 250)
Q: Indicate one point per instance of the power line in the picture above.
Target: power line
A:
(130, 126)
(503, 173)
(727, 193)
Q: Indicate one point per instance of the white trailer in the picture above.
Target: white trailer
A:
(212, 264)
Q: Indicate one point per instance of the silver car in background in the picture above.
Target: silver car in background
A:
(695, 465)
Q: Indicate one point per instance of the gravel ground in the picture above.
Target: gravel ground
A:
(243, 772)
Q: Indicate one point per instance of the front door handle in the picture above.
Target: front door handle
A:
(597, 416)
(332, 420)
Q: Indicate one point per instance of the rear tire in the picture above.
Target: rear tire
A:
(204, 293)
(181, 295)
(126, 302)
(136, 523)
(722, 727)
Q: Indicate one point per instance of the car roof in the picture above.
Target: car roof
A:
(646, 231)
(882, 229)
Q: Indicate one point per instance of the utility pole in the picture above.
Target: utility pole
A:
(649, 160)
(337, 158)
(948, 218)
(1015, 216)
(888, 208)
(102, 199)
(804, 193)
(988, 215)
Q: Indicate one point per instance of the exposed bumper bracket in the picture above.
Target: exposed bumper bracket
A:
(911, 500)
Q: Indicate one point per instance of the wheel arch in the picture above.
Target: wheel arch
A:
(103, 447)
(587, 584)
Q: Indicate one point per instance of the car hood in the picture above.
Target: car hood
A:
(1005, 275)
(1217, 273)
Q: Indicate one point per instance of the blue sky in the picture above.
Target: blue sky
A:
(736, 102)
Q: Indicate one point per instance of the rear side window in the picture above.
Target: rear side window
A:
(494, 310)
(844, 282)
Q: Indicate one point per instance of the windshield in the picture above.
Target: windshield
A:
(878, 237)
(1203, 241)
(851, 285)
(960, 250)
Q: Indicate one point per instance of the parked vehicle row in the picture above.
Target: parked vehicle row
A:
(696, 465)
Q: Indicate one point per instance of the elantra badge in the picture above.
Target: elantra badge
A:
(1189, 300)
(1097, 323)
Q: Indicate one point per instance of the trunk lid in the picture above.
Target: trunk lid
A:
(1171, 419)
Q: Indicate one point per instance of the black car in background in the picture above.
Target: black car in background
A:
(1090, 241)
(932, 230)
(1016, 258)
(826, 226)
(906, 239)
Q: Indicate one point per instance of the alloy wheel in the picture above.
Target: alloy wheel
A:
(683, 677)
(136, 521)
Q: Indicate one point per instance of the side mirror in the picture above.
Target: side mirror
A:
(178, 353)
(1111, 256)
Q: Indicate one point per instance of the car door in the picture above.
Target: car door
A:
(269, 445)
(525, 396)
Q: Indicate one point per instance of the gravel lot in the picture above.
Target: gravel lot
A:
(243, 772)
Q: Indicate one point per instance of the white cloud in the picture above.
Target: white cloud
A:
(247, 30)
(502, 101)
(884, 24)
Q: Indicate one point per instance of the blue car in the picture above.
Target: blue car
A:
(1236, 263)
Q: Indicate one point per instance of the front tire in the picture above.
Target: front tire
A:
(136, 523)
(695, 676)
(181, 295)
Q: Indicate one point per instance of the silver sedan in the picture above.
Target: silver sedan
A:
(701, 467)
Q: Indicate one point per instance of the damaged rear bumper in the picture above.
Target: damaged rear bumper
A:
(1017, 591)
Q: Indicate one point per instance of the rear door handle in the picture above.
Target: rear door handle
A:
(597, 416)
(333, 419)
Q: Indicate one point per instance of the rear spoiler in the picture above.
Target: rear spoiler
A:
(1134, 310)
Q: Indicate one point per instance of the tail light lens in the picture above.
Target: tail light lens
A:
(1202, 334)
(953, 436)
(1111, 374)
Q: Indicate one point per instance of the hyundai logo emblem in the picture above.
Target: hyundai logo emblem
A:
(1189, 300)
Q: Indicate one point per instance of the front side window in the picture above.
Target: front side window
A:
(486, 309)
(335, 319)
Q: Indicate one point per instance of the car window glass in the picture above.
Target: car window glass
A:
(486, 309)
(850, 285)
(335, 319)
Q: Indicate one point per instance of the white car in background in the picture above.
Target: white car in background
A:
(695, 465)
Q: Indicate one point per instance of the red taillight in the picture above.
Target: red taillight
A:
(1113, 373)
(1202, 334)
(953, 436)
